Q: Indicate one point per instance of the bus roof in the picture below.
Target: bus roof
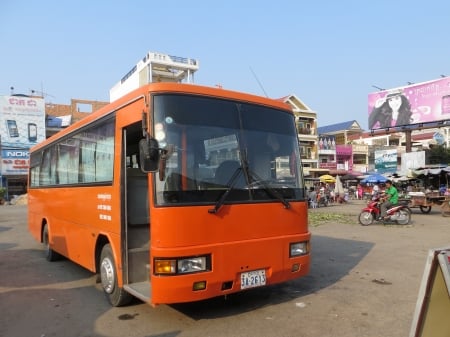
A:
(164, 87)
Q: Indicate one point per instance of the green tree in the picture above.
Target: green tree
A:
(439, 154)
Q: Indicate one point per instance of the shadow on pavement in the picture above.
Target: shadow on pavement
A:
(29, 268)
(332, 259)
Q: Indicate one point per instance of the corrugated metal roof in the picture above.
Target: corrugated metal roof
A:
(423, 136)
(349, 125)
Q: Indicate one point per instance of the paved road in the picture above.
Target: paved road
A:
(364, 281)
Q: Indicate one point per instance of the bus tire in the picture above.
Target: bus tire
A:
(50, 254)
(116, 295)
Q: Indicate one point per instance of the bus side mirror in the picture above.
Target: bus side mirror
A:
(149, 155)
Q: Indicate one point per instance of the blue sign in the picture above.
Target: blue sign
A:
(439, 138)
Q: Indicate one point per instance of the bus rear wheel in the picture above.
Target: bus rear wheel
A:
(116, 295)
(50, 254)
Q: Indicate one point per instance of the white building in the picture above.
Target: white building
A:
(155, 67)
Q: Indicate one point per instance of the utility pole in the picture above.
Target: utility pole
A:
(408, 145)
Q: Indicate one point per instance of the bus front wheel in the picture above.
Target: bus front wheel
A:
(50, 254)
(116, 295)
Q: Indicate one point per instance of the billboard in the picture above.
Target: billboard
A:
(412, 160)
(15, 162)
(386, 161)
(417, 103)
(22, 121)
(22, 125)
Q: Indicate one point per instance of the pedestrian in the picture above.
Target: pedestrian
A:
(360, 191)
(375, 191)
(312, 196)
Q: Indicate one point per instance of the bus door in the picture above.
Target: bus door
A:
(136, 223)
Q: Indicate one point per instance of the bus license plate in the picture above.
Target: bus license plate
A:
(251, 279)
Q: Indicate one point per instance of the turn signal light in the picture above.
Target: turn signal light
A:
(165, 266)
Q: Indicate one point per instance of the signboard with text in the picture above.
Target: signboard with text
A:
(22, 121)
(386, 161)
(15, 162)
(22, 125)
(412, 160)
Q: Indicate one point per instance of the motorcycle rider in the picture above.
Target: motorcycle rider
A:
(390, 198)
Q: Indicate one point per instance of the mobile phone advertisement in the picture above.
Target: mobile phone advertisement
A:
(22, 125)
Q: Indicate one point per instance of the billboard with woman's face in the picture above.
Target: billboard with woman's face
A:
(417, 103)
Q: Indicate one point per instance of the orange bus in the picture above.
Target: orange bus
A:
(175, 193)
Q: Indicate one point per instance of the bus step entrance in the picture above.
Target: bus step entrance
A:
(138, 265)
(140, 290)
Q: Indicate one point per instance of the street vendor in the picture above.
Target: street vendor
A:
(375, 190)
(390, 196)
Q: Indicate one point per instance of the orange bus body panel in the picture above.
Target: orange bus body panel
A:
(76, 218)
(239, 238)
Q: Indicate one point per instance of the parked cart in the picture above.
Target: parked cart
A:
(425, 201)
(445, 207)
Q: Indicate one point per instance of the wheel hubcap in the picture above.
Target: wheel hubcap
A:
(107, 275)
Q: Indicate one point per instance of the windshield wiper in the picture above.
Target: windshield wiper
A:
(272, 192)
(255, 180)
(252, 178)
(230, 184)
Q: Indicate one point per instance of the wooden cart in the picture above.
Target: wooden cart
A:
(445, 207)
(425, 201)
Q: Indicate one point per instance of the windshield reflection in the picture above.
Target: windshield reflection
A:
(249, 152)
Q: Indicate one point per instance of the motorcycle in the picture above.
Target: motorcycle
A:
(323, 200)
(399, 214)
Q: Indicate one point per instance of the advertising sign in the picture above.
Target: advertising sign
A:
(386, 161)
(22, 121)
(417, 103)
(412, 160)
(433, 301)
(15, 162)
(22, 125)
(439, 138)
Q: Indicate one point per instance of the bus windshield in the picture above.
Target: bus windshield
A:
(212, 147)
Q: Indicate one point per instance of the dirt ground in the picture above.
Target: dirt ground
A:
(381, 288)
(364, 281)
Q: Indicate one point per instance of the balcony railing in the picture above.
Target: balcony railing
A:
(305, 131)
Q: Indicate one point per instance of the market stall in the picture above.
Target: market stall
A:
(434, 189)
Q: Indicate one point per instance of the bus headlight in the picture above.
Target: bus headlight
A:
(182, 265)
(192, 265)
(298, 248)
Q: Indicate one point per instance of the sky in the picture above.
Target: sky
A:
(330, 54)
